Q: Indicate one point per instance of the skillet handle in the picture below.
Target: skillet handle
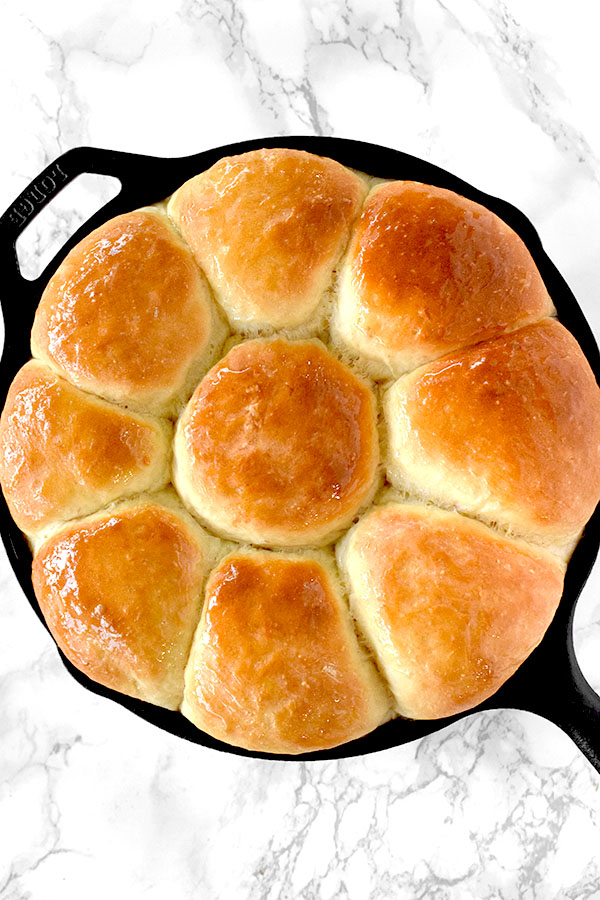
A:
(563, 696)
(578, 713)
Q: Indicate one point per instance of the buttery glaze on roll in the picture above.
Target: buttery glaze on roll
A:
(121, 594)
(275, 664)
(128, 315)
(65, 453)
(268, 227)
(429, 272)
(278, 445)
(450, 608)
(508, 431)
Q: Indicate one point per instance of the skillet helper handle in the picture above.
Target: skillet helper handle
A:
(44, 188)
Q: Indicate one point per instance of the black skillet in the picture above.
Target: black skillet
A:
(550, 682)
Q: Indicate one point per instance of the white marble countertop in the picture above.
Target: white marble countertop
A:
(94, 802)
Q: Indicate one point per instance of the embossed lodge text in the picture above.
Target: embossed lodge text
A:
(27, 205)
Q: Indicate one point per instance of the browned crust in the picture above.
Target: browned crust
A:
(450, 608)
(127, 313)
(268, 227)
(120, 592)
(429, 271)
(278, 444)
(65, 453)
(275, 665)
(508, 430)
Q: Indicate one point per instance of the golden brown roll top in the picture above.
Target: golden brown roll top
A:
(65, 453)
(428, 272)
(121, 594)
(508, 431)
(128, 315)
(268, 227)
(278, 445)
(449, 607)
(275, 665)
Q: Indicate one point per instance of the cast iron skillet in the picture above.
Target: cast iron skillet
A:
(550, 682)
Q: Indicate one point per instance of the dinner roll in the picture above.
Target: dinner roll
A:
(508, 431)
(268, 227)
(65, 453)
(128, 315)
(428, 272)
(275, 664)
(449, 607)
(278, 445)
(121, 594)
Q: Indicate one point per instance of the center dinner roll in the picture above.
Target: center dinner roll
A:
(508, 431)
(65, 453)
(268, 227)
(275, 665)
(428, 272)
(278, 445)
(128, 315)
(450, 608)
(121, 594)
